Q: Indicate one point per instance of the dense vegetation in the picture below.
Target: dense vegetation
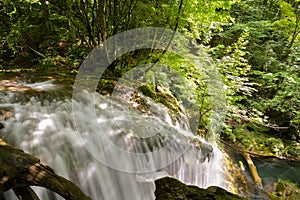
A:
(255, 44)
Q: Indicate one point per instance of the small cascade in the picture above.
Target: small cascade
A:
(107, 149)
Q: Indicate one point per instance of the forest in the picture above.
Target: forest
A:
(253, 45)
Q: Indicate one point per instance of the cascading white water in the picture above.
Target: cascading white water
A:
(46, 129)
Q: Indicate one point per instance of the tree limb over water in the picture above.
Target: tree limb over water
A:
(19, 170)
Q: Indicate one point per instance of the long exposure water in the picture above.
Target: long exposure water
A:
(41, 122)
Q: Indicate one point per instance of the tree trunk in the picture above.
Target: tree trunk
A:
(19, 170)
(254, 173)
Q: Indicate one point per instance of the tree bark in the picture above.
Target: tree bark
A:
(254, 173)
(25, 193)
(19, 170)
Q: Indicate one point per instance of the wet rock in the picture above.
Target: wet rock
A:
(235, 176)
(284, 190)
(171, 189)
(164, 96)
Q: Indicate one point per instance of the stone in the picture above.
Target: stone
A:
(172, 189)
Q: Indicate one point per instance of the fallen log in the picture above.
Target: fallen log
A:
(253, 170)
(19, 171)
(25, 193)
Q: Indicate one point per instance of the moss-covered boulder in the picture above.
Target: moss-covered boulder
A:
(235, 177)
(161, 95)
(171, 189)
(284, 190)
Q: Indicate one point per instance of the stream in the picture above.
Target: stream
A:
(38, 112)
(270, 169)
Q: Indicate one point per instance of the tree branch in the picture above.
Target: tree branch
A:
(19, 170)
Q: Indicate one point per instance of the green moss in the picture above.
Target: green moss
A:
(165, 97)
(106, 86)
(161, 95)
(256, 139)
(172, 189)
(293, 149)
(275, 145)
(285, 190)
(235, 180)
(148, 91)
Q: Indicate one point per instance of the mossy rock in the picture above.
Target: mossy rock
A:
(284, 190)
(161, 95)
(235, 177)
(171, 189)
(148, 91)
(165, 97)
(106, 86)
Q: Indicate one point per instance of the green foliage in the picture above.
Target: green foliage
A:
(234, 66)
(35, 33)
(258, 56)
(273, 72)
(200, 17)
(186, 82)
(192, 90)
(284, 190)
(255, 45)
(258, 139)
(156, 14)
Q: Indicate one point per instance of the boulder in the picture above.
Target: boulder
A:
(172, 189)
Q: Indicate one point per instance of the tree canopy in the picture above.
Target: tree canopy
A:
(254, 44)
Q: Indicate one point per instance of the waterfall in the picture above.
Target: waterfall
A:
(109, 150)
